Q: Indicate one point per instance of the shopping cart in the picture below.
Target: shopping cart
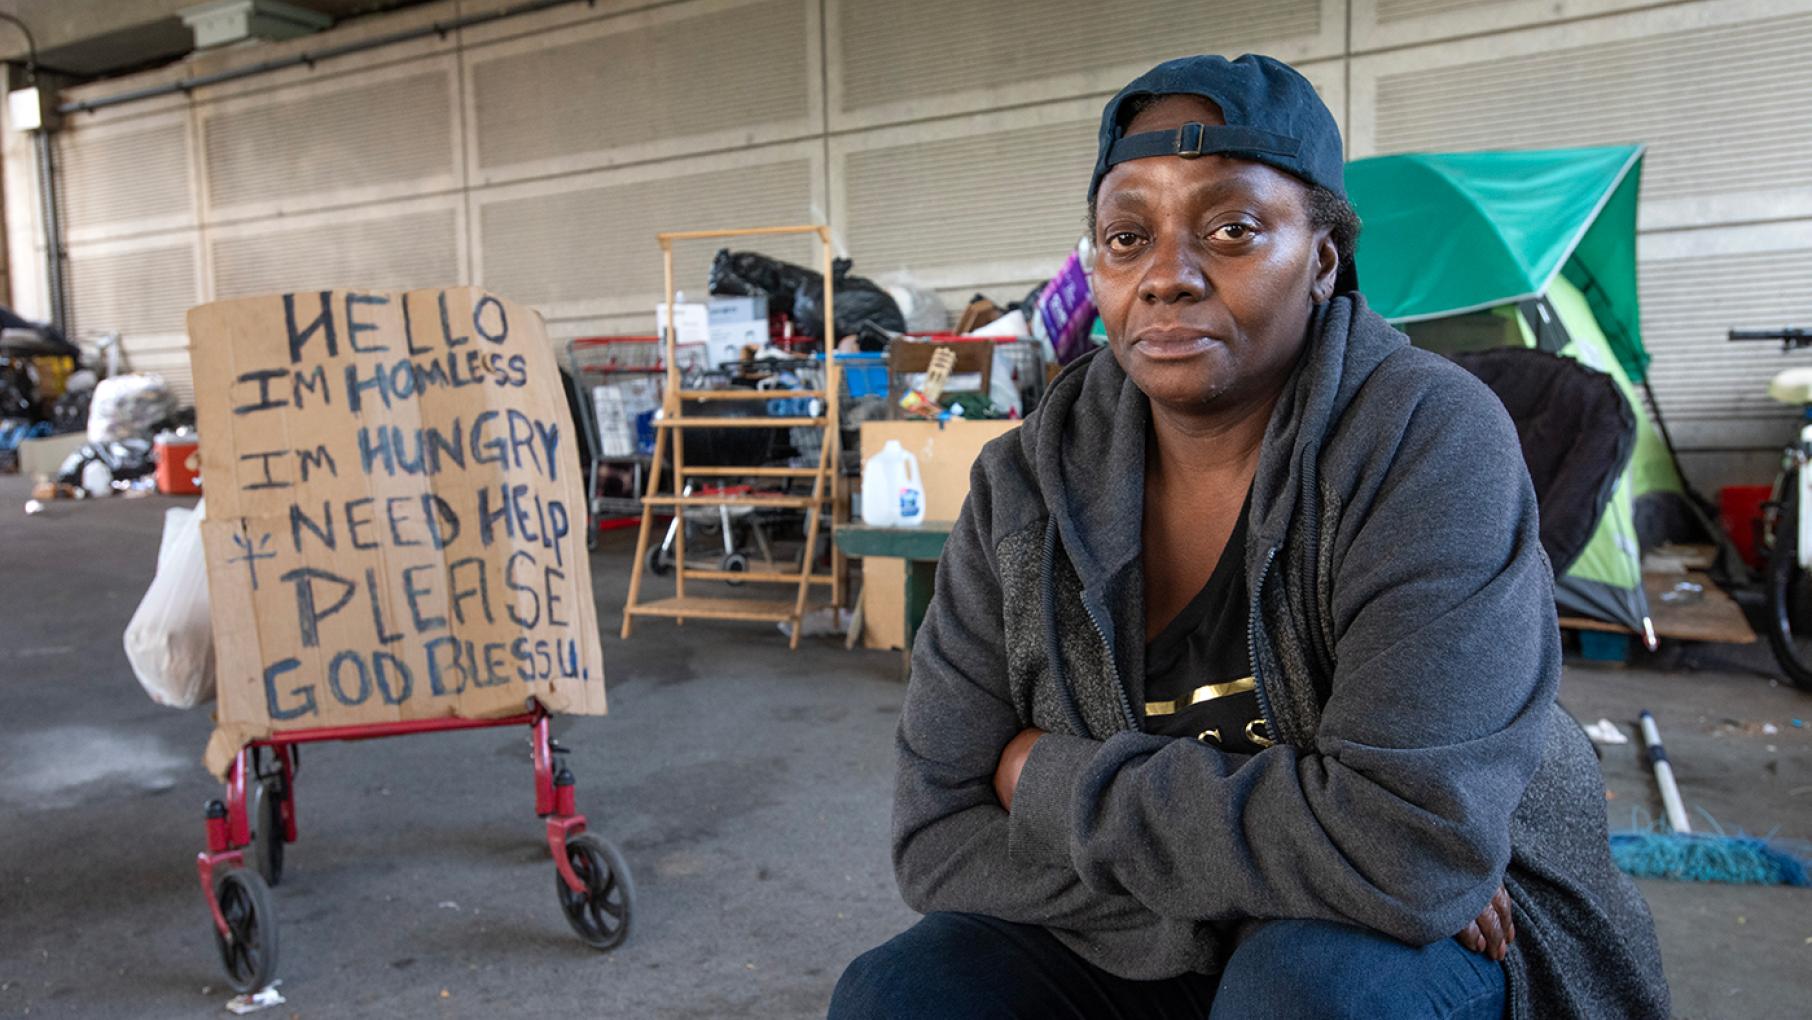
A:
(593, 883)
(620, 380)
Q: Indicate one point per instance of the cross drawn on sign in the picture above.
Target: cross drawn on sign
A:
(250, 556)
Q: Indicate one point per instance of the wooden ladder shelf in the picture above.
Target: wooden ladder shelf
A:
(667, 489)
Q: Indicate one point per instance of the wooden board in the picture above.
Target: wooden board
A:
(703, 608)
(1714, 616)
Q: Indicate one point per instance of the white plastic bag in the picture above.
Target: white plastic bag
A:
(170, 641)
(923, 310)
(129, 407)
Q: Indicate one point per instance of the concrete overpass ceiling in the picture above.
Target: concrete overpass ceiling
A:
(86, 39)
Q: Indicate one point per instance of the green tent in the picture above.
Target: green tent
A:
(1465, 251)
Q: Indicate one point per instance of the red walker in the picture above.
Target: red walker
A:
(593, 883)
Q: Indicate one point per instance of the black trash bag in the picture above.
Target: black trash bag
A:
(45, 338)
(70, 412)
(126, 459)
(18, 392)
(859, 299)
(1030, 304)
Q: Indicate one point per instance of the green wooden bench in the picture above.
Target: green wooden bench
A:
(920, 547)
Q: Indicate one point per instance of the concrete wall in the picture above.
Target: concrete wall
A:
(952, 138)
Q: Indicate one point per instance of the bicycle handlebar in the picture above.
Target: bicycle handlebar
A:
(1789, 336)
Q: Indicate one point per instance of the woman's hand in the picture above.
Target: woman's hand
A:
(1012, 762)
(1490, 934)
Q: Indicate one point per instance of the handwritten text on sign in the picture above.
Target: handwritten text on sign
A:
(395, 507)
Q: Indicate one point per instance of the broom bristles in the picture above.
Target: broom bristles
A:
(1739, 859)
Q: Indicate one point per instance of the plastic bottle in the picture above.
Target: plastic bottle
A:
(892, 494)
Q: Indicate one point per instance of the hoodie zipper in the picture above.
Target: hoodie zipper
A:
(1113, 669)
(1264, 701)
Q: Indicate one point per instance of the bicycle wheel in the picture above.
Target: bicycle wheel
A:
(1790, 595)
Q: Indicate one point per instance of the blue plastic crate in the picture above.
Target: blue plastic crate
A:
(1599, 646)
(864, 374)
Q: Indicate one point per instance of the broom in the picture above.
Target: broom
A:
(1685, 856)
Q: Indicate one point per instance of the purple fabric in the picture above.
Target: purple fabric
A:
(1067, 310)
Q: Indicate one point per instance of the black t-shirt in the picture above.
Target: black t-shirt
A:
(1198, 670)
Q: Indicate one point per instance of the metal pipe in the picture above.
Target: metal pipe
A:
(53, 230)
(31, 47)
(312, 57)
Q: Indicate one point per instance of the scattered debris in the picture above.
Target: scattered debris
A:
(252, 1002)
(1684, 593)
(821, 623)
(1605, 731)
(1748, 728)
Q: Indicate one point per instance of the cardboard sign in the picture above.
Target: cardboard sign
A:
(395, 512)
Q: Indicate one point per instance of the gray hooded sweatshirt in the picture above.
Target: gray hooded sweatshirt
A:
(1403, 636)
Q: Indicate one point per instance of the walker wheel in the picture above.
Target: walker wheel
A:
(602, 913)
(267, 836)
(249, 949)
(658, 561)
(735, 563)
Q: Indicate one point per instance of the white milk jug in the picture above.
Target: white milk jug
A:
(892, 495)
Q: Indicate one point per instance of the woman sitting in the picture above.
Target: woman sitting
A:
(1236, 697)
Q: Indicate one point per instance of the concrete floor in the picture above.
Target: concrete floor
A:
(747, 786)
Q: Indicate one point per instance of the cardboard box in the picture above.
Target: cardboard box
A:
(729, 338)
(618, 403)
(736, 322)
(737, 310)
(694, 321)
(396, 513)
(42, 458)
(945, 454)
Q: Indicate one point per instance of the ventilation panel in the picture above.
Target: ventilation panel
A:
(1714, 392)
(116, 180)
(393, 252)
(143, 291)
(144, 295)
(590, 249)
(721, 77)
(332, 142)
(1714, 125)
(960, 201)
(897, 61)
(1381, 24)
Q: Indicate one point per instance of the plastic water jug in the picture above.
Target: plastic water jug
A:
(892, 495)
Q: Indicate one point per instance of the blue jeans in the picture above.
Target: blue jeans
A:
(961, 966)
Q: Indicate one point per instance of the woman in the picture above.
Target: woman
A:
(1237, 694)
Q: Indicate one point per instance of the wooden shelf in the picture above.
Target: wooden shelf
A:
(751, 472)
(744, 393)
(773, 502)
(752, 422)
(668, 471)
(701, 608)
(755, 576)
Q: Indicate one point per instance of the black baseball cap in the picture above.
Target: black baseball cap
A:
(1273, 115)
